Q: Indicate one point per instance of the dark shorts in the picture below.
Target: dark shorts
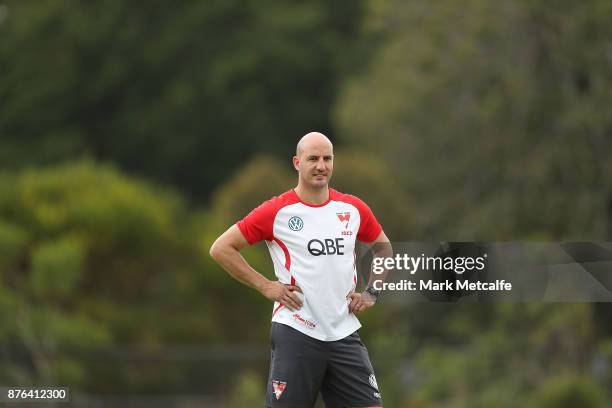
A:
(301, 366)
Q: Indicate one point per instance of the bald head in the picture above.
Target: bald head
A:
(314, 161)
(313, 140)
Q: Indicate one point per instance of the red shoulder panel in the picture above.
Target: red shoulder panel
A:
(258, 224)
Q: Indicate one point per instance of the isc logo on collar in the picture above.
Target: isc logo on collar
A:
(296, 223)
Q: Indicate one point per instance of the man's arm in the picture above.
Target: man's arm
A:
(226, 251)
(363, 301)
(382, 249)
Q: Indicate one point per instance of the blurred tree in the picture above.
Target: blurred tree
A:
(367, 176)
(493, 115)
(89, 258)
(503, 356)
(249, 390)
(570, 391)
(258, 180)
(494, 118)
(181, 93)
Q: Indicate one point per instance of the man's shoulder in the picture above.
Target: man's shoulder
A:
(259, 223)
(347, 198)
(277, 202)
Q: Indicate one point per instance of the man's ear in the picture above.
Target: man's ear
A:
(296, 163)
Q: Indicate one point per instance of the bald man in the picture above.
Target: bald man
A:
(311, 231)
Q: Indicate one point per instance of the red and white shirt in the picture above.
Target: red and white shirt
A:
(313, 247)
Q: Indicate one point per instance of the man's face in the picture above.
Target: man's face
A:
(315, 164)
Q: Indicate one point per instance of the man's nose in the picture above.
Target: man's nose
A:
(321, 164)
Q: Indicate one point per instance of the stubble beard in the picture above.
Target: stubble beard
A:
(314, 185)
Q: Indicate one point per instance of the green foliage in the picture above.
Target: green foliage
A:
(84, 252)
(12, 243)
(493, 119)
(56, 267)
(258, 180)
(180, 93)
(569, 392)
(248, 391)
(493, 115)
(501, 356)
(368, 177)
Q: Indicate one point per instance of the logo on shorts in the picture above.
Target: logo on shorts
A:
(279, 387)
(296, 223)
(373, 382)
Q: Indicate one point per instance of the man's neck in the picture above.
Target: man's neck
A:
(310, 196)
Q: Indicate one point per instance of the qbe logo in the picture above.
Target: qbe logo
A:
(327, 246)
(296, 223)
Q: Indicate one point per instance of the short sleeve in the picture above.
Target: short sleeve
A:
(369, 227)
(258, 224)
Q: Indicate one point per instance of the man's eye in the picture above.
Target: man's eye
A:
(328, 159)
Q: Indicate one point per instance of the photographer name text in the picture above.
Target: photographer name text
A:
(404, 284)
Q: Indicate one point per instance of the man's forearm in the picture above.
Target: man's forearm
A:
(381, 250)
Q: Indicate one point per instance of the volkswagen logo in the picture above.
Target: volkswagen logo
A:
(296, 223)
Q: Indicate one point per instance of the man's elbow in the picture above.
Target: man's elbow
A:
(215, 250)
(226, 245)
(221, 249)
